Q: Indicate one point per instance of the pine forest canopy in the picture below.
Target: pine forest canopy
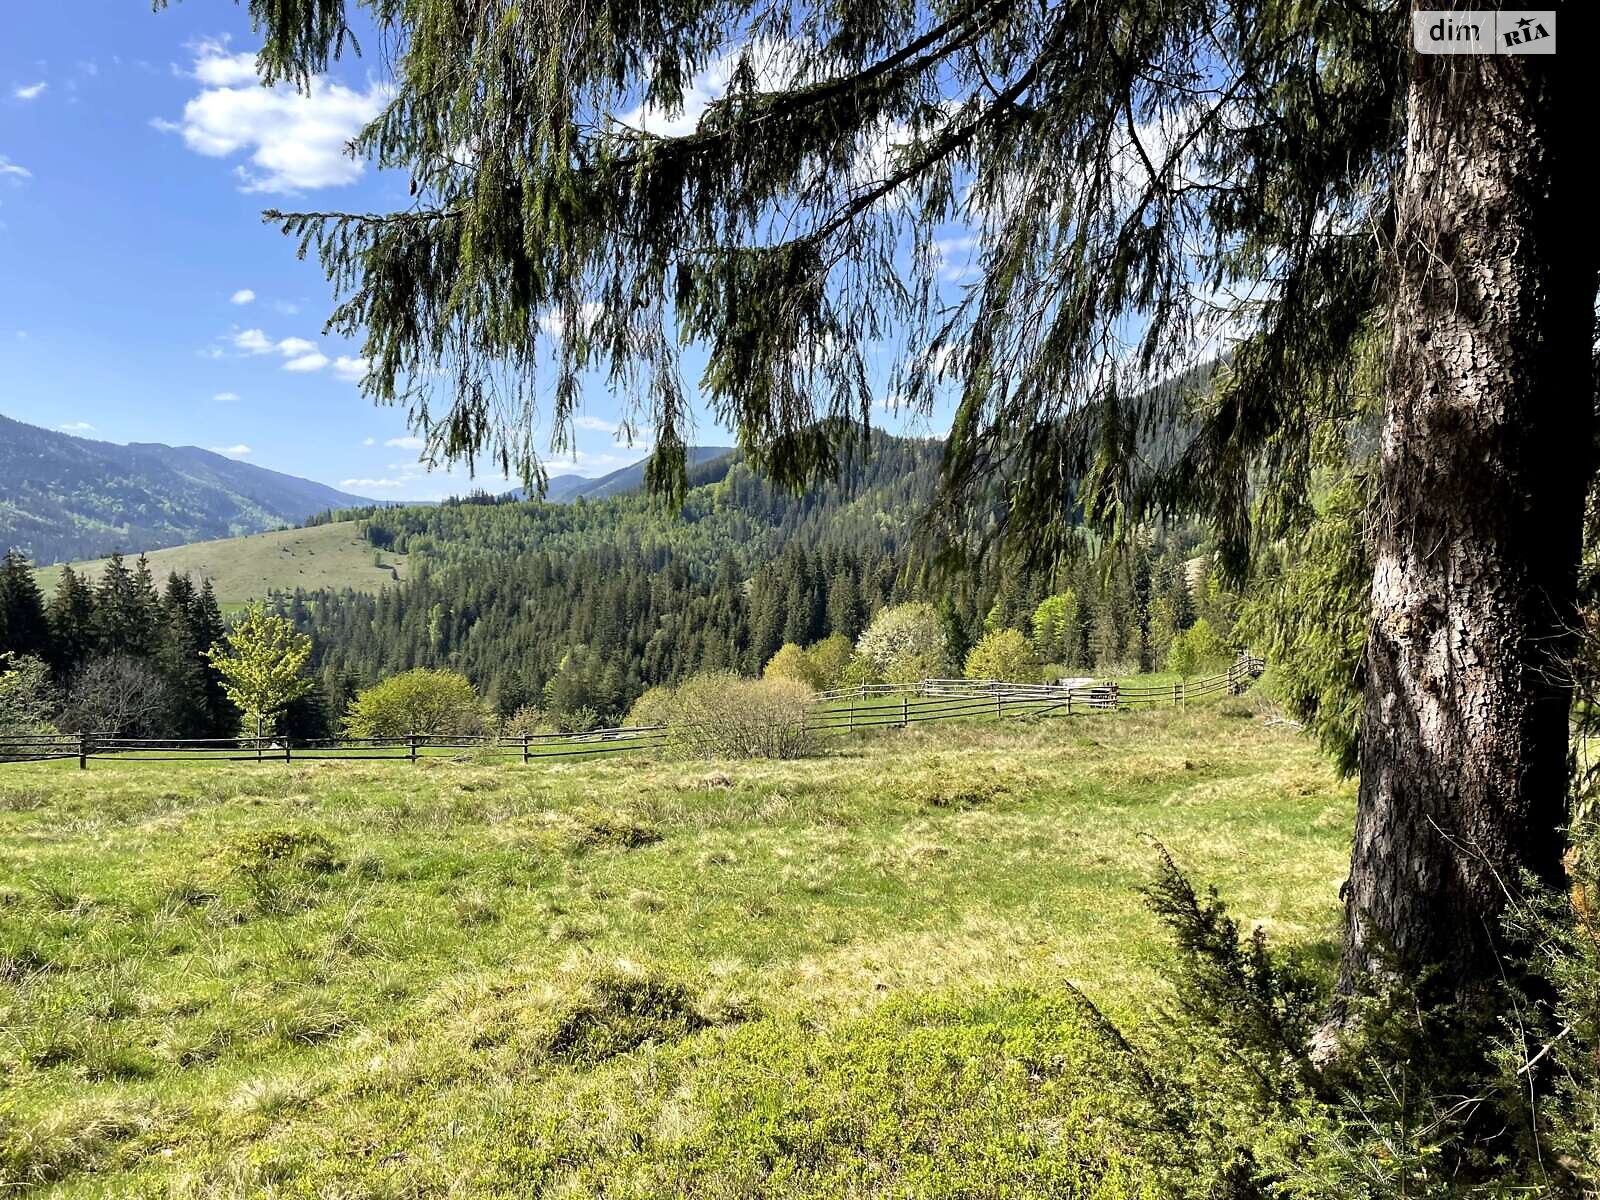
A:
(1138, 179)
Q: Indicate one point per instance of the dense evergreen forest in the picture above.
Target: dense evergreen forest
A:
(586, 605)
(580, 608)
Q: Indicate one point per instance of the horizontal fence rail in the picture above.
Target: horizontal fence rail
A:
(840, 710)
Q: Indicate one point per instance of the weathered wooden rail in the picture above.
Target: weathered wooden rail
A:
(841, 710)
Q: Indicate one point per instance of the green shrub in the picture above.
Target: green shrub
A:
(27, 698)
(652, 708)
(830, 659)
(269, 848)
(722, 715)
(1198, 650)
(1003, 654)
(527, 719)
(424, 701)
(794, 664)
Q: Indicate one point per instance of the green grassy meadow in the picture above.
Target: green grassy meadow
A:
(242, 569)
(840, 976)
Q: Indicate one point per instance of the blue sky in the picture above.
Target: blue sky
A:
(141, 296)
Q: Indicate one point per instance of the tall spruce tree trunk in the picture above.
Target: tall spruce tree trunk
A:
(1485, 460)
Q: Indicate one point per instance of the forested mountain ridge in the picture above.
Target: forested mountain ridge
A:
(562, 489)
(65, 497)
(580, 607)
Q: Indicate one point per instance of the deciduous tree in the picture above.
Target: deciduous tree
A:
(262, 662)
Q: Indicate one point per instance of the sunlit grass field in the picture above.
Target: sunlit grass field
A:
(242, 569)
(847, 975)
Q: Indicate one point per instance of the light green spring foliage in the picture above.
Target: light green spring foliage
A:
(794, 664)
(822, 665)
(1198, 650)
(262, 662)
(904, 643)
(1055, 626)
(1004, 654)
(830, 659)
(718, 714)
(27, 697)
(420, 701)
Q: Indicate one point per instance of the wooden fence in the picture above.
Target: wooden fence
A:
(841, 710)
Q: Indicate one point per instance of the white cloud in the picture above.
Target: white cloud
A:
(406, 443)
(75, 427)
(242, 296)
(215, 67)
(369, 441)
(353, 369)
(286, 308)
(226, 397)
(953, 256)
(371, 483)
(594, 423)
(554, 324)
(13, 170)
(29, 91)
(293, 140)
(302, 354)
(252, 341)
(238, 451)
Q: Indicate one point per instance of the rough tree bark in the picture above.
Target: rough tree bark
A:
(1485, 459)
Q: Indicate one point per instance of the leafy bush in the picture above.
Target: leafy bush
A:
(1198, 650)
(794, 664)
(577, 720)
(269, 848)
(1003, 654)
(722, 715)
(527, 719)
(652, 708)
(439, 703)
(905, 643)
(26, 698)
(830, 659)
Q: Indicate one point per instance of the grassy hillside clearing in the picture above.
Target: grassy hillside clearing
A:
(834, 977)
(247, 568)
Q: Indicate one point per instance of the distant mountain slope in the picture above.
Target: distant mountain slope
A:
(564, 489)
(64, 497)
(333, 556)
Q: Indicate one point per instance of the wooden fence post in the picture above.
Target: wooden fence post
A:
(524, 747)
(997, 702)
(905, 710)
(285, 749)
(411, 743)
(83, 751)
